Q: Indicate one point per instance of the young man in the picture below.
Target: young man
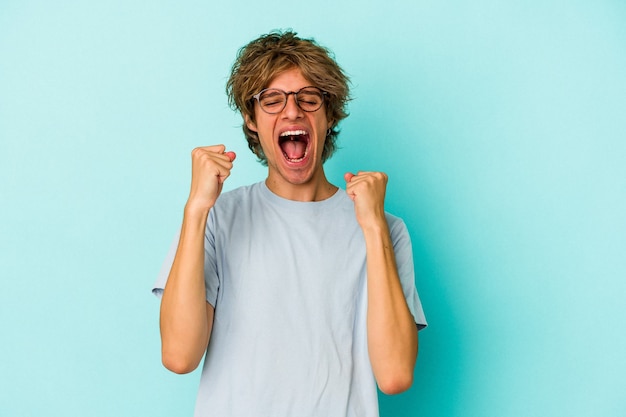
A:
(299, 295)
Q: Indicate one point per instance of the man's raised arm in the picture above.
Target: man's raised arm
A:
(186, 317)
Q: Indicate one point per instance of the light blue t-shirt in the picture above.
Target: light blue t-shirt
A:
(288, 283)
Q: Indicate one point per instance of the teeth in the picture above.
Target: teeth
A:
(295, 160)
(293, 133)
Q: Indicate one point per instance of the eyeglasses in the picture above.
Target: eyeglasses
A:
(273, 100)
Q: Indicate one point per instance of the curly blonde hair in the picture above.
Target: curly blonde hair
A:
(261, 60)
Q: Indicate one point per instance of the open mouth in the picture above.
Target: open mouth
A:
(294, 144)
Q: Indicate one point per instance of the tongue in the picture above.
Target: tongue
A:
(294, 149)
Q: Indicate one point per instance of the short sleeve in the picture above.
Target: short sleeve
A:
(211, 274)
(404, 261)
(161, 280)
(211, 279)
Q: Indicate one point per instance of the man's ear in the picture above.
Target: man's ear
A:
(331, 123)
(250, 123)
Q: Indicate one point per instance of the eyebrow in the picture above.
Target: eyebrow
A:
(273, 92)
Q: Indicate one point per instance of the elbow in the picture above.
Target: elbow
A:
(396, 383)
(178, 363)
(180, 368)
(396, 377)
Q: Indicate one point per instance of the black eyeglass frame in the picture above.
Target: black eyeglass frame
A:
(286, 94)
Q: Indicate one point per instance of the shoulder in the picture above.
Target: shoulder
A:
(238, 196)
(396, 224)
(398, 231)
(233, 205)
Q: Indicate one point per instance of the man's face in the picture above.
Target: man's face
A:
(292, 140)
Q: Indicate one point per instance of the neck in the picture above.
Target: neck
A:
(314, 190)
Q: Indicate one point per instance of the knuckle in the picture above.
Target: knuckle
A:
(381, 176)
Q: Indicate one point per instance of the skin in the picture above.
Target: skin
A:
(186, 318)
(303, 181)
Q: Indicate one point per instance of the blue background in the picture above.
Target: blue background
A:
(501, 126)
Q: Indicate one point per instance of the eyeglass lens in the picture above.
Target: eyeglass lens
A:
(274, 100)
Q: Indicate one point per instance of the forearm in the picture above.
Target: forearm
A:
(184, 322)
(391, 329)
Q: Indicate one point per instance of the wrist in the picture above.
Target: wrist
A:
(196, 212)
(375, 228)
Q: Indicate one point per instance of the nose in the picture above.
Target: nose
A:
(292, 110)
